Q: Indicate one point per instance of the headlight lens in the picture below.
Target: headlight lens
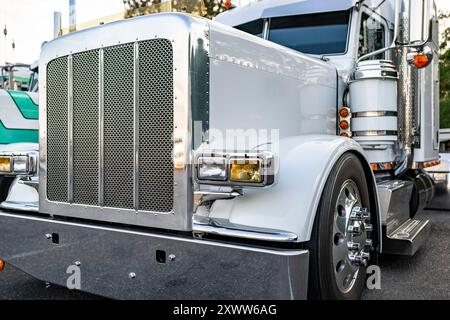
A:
(5, 164)
(243, 170)
(255, 169)
(210, 168)
(18, 164)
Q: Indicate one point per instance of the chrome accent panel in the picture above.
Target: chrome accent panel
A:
(194, 269)
(374, 133)
(375, 69)
(407, 238)
(136, 126)
(101, 126)
(395, 197)
(201, 229)
(374, 114)
(69, 129)
(203, 225)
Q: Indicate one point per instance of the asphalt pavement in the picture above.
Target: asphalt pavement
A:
(424, 276)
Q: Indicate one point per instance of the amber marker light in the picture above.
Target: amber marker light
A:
(2, 265)
(421, 61)
(344, 125)
(344, 113)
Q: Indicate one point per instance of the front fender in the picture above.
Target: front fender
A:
(305, 163)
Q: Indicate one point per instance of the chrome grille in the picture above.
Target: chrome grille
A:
(115, 148)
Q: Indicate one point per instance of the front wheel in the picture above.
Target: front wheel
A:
(341, 237)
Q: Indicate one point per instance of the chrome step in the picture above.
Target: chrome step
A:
(407, 238)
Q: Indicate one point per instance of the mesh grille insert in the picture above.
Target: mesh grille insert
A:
(85, 127)
(57, 130)
(118, 126)
(156, 125)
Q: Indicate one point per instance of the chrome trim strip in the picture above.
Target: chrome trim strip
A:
(374, 114)
(266, 29)
(101, 182)
(70, 128)
(374, 133)
(136, 232)
(136, 127)
(199, 229)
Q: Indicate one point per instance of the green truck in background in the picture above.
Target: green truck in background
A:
(19, 147)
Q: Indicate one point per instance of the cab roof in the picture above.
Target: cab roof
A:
(280, 8)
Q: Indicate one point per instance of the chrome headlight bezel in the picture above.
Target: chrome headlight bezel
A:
(21, 163)
(267, 168)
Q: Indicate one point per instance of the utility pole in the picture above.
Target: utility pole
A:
(56, 24)
(5, 32)
(13, 48)
(72, 16)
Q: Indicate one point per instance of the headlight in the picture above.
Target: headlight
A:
(23, 163)
(244, 170)
(5, 164)
(235, 169)
(210, 168)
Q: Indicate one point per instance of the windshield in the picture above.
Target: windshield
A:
(324, 33)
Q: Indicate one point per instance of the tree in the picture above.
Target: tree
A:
(204, 8)
(444, 65)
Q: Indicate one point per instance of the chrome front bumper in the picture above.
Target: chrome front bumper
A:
(122, 263)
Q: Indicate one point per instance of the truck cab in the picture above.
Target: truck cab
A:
(272, 153)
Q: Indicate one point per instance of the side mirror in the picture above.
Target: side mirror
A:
(420, 13)
(420, 57)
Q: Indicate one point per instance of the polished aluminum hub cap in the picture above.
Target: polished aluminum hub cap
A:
(351, 236)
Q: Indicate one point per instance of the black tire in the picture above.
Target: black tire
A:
(322, 283)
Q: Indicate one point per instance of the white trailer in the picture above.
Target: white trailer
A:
(271, 153)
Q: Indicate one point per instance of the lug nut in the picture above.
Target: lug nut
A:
(359, 213)
(368, 227)
(369, 243)
(354, 229)
(354, 246)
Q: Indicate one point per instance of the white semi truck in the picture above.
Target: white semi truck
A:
(272, 153)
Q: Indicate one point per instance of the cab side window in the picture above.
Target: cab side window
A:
(372, 36)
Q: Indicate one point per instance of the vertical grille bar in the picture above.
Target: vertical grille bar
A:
(119, 126)
(85, 127)
(57, 130)
(70, 128)
(101, 180)
(136, 126)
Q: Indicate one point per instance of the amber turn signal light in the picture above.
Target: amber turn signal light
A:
(421, 61)
(344, 112)
(344, 125)
(2, 265)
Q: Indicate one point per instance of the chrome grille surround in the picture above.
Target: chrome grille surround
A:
(182, 34)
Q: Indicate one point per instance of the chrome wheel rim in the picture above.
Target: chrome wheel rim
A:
(350, 236)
